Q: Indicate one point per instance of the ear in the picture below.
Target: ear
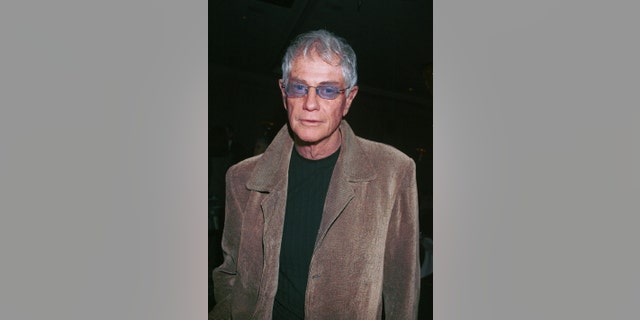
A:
(350, 97)
(284, 94)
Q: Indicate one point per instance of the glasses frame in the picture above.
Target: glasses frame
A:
(306, 91)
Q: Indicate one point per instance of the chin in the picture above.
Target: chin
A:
(309, 139)
(309, 136)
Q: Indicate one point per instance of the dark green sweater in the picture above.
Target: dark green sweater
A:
(306, 193)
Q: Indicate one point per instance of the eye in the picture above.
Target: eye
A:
(298, 87)
(328, 90)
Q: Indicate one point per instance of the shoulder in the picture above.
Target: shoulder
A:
(381, 154)
(242, 169)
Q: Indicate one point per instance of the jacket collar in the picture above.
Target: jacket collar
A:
(271, 170)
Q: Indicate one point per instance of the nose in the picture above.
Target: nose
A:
(311, 100)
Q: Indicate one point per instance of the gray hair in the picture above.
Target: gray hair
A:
(328, 46)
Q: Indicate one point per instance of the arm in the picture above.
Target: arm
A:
(401, 288)
(224, 276)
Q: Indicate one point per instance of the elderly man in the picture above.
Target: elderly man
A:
(323, 224)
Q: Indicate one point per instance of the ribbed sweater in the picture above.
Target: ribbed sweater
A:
(306, 194)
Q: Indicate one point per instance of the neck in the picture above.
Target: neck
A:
(321, 149)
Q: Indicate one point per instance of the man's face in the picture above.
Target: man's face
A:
(315, 120)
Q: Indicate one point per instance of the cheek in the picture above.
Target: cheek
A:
(341, 111)
(289, 106)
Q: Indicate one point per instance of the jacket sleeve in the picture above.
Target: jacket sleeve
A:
(224, 276)
(401, 287)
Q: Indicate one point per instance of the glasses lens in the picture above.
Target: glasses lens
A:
(296, 90)
(328, 92)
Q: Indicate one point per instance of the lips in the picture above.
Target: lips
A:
(310, 121)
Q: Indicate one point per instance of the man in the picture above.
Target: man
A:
(323, 224)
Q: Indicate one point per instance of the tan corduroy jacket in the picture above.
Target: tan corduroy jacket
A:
(366, 255)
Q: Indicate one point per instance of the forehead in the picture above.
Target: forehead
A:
(313, 68)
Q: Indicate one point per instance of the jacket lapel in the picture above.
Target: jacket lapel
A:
(269, 177)
(272, 168)
(352, 169)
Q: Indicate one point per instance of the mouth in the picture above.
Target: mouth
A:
(310, 122)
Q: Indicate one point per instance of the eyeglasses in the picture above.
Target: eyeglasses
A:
(297, 90)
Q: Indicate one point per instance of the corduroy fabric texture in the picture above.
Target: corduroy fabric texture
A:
(366, 252)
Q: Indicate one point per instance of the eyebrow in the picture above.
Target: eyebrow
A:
(334, 83)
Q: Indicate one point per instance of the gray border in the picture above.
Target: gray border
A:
(103, 171)
(536, 177)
